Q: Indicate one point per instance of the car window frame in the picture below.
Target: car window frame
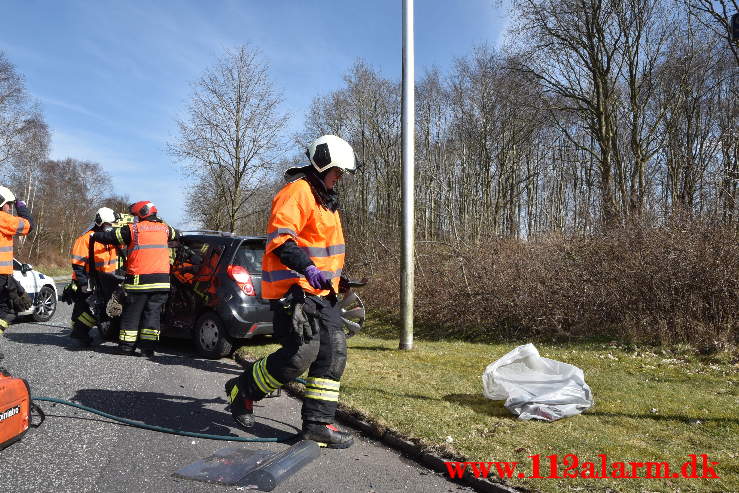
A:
(261, 242)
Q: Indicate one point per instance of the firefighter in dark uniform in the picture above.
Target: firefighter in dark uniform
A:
(301, 269)
(147, 276)
(10, 226)
(105, 261)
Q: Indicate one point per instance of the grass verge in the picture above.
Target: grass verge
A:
(53, 270)
(650, 406)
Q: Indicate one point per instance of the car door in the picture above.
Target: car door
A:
(183, 303)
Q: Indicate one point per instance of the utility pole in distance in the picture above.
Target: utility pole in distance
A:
(408, 131)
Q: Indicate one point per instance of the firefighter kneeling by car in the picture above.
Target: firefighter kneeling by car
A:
(147, 276)
(92, 275)
(301, 269)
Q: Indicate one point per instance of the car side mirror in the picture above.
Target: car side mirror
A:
(25, 268)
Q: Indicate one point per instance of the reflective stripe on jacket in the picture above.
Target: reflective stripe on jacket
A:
(106, 258)
(10, 226)
(315, 229)
(147, 264)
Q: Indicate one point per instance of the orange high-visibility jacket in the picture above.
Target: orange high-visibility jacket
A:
(148, 252)
(105, 256)
(10, 226)
(147, 263)
(315, 229)
(147, 266)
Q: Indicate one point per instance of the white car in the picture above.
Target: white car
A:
(41, 289)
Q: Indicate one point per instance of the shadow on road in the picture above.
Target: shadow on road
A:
(200, 364)
(61, 339)
(178, 412)
(43, 324)
(169, 351)
(173, 352)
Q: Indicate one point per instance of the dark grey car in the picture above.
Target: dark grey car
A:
(216, 299)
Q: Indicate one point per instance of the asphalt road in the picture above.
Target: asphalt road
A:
(75, 451)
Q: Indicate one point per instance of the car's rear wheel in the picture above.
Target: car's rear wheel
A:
(45, 305)
(210, 337)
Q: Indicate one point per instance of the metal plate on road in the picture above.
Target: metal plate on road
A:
(226, 466)
(255, 469)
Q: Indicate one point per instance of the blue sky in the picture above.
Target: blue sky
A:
(111, 77)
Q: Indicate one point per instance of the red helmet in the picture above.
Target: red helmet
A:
(143, 209)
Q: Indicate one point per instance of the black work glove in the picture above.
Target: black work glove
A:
(304, 325)
(69, 293)
(19, 302)
(15, 300)
(24, 302)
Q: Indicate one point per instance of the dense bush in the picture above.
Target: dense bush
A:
(666, 285)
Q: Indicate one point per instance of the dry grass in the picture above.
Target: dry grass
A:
(667, 286)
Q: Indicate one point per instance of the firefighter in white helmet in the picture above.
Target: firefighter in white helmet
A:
(301, 270)
(92, 270)
(10, 226)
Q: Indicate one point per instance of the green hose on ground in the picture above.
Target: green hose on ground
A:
(162, 429)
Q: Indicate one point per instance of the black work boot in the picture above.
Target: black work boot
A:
(147, 351)
(242, 409)
(126, 349)
(327, 435)
(81, 343)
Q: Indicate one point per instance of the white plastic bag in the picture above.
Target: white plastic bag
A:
(536, 388)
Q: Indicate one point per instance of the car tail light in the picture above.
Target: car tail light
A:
(242, 278)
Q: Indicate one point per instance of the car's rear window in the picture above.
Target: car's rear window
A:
(250, 256)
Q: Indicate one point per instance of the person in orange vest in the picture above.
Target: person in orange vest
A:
(10, 226)
(301, 270)
(104, 264)
(147, 276)
(203, 283)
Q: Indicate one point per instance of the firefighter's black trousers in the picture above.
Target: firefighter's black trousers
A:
(324, 356)
(140, 318)
(105, 284)
(82, 318)
(7, 312)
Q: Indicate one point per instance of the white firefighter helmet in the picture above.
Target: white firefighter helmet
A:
(105, 215)
(330, 151)
(6, 196)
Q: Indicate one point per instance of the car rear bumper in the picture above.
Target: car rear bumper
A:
(249, 323)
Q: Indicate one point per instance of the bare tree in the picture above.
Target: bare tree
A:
(230, 140)
(24, 136)
(119, 203)
(69, 193)
(715, 15)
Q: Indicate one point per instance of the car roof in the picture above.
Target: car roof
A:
(208, 235)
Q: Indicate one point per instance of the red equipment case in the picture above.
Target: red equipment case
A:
(15, 408)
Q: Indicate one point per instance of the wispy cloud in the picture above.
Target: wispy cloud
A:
(90, 147)
(72, 107)
(156, 179)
